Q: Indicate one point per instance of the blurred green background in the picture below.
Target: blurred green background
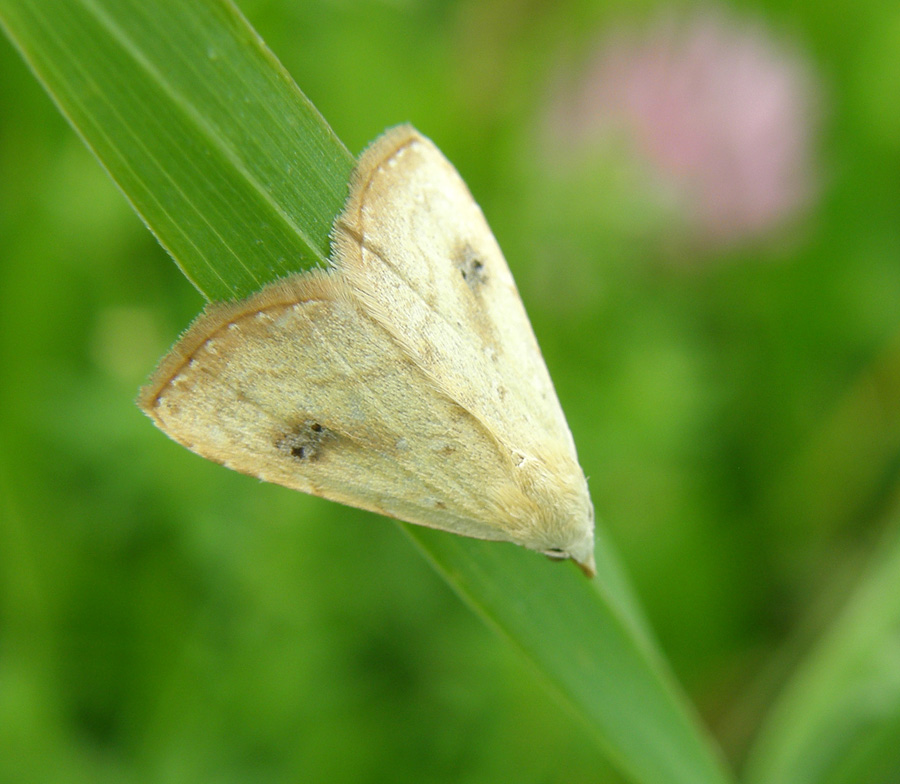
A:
(734, 396)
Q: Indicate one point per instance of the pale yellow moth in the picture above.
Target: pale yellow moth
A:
(405, 379)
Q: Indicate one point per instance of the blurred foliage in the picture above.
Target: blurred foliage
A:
(737, 414)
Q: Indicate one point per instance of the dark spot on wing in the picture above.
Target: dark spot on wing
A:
(305, 441)
(471, 266)
(473, 269)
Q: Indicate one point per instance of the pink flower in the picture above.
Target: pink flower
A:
(722, 113)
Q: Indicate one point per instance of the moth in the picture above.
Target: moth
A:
(404, 379)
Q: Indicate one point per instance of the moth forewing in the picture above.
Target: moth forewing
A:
(405, 380)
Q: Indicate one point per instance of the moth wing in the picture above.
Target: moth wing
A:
(412, 236)
(295, 386)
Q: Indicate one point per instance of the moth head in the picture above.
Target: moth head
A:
(568, 531)
(565, 527)
(580, 550)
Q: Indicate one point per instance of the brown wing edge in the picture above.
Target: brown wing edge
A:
(307, 285)
(346, 230)
(312, 285)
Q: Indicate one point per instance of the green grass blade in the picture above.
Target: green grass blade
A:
(837, 720)
(240, 178)
(587, 641)
(223, 157)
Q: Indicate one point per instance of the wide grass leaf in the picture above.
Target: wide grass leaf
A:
(240, 179)
(220, 153)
